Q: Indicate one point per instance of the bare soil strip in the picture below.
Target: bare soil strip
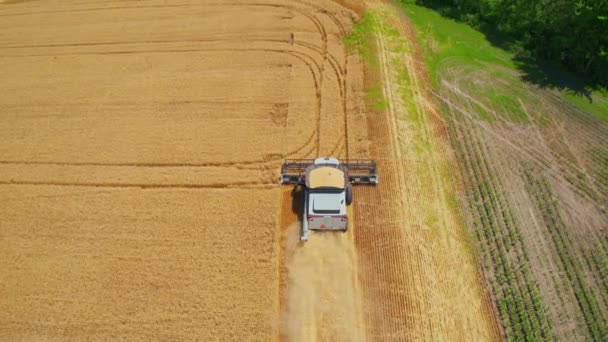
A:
(420, 280)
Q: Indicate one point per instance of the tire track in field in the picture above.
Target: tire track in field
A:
(97, 9)
(314, 59)
(320, 291)
(340, 76)
(541, 146)
(316, 70)
(338, 71)
(308, 60)
(342, 80)
(318, 78)
(317, 67)
(532, 152)
(549, 111)
(303, 57)
(235, 185)
(545, 158)
(316, 22)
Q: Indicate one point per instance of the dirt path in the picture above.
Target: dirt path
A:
(420, 279)
(324, 300)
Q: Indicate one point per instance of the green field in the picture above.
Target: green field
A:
(532, 157)
(447, 43)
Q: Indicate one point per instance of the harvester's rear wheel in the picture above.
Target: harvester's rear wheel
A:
(349, 194)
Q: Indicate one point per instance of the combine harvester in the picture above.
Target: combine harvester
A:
(327, 187)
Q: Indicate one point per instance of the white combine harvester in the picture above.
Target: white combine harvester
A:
(327, 188)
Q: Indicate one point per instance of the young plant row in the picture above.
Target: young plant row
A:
(540, 189)
(540, 323)
(596, 260)
(601, 261)
(599, 157)
(501, 243)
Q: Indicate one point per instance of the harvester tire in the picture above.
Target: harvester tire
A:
(349, 194)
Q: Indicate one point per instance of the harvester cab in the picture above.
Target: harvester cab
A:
(327, 189)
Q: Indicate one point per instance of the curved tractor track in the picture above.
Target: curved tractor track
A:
(139, 157)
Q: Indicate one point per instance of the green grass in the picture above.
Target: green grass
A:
(447, 44)
(444, 38)
(600, 100)
(360, 39)
(376, 97)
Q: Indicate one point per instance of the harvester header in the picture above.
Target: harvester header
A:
(358, 171)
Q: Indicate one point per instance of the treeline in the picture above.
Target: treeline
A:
(572, 33)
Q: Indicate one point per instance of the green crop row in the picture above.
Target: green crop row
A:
(601, 261)
(599, 156)
(501, 243)
(539, 324)
(540, 189)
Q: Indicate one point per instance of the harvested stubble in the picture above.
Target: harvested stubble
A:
(139, 148)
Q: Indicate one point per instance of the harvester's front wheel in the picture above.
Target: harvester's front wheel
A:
(349, 194)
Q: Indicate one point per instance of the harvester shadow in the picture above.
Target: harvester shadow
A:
(297, 201)
(297, 208)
